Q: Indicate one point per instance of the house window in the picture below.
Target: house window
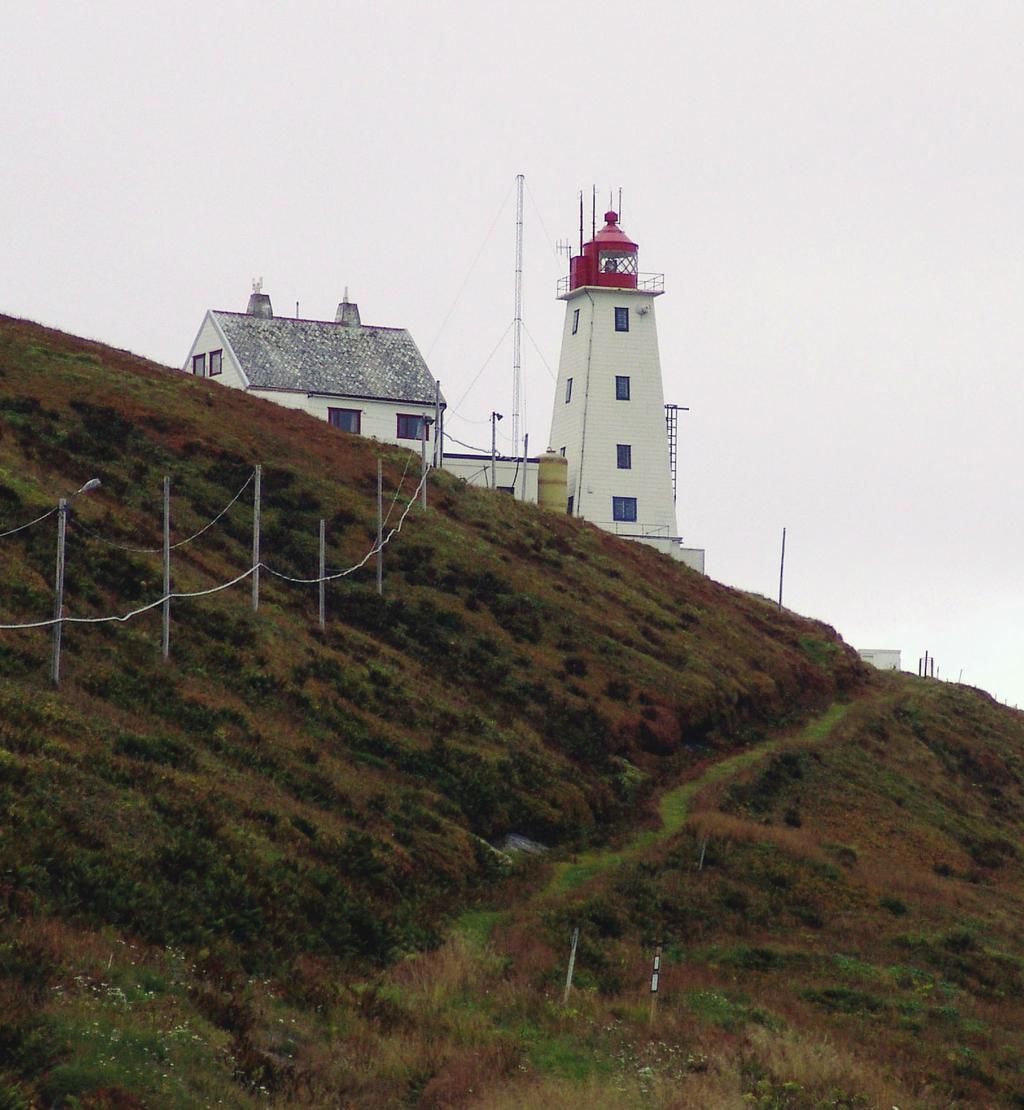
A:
(411, 427)
(624, 508)
(199, 365)
(622, 319)
(624, 456)
(506, 489)
(621, 387)
(568, 507)
(568, 390)
(215, 363)
(348, 420)
(575, 320)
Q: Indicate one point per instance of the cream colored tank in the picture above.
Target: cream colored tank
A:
(552, 481)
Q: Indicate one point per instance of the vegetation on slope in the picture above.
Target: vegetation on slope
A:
(233, 877)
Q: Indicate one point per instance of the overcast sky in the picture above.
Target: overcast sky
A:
(833, 191)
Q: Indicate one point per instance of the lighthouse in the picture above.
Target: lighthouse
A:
(609, 417)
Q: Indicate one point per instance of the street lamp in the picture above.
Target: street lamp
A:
(58, 598)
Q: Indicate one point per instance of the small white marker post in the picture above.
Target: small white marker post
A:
(655, 976)
(572, 965)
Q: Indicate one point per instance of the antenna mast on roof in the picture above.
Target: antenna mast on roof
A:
(517, 322)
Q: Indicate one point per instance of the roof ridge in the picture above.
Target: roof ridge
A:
(306, 320)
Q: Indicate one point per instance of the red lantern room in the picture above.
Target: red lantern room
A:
(609, 260)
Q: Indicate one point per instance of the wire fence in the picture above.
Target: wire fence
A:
(60, 619)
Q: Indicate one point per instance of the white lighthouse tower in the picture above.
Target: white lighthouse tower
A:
(609, 408)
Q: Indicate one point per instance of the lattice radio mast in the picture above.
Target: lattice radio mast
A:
(517, 323)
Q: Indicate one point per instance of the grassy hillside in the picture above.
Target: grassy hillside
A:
(265, 870)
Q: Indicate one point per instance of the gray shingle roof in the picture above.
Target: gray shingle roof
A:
(315, 356)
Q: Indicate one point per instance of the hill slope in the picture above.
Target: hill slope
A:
(217, 870)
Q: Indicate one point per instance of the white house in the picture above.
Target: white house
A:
(609, 415)
(372, 381)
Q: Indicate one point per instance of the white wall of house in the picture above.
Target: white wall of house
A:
(593, 422)
(378, 419)
(208, 340)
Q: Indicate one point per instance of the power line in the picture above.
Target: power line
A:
(469, 272)
(455, 410)
(540, 353)
(468, 446)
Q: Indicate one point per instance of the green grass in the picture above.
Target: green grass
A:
(244, 862)
(674, 805)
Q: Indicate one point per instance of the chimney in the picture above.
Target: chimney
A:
(347, 314)
(259, 302)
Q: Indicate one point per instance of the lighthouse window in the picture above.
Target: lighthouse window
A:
(568, 390)
(622, 319)
(624, 456)
(621, 387)
(618, 262)
(575, 320)
(624, 508)
(411, 427)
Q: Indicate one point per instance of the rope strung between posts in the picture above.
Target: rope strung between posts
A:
(174, 546)
(22, 527)
(123, 618)
(398, 488)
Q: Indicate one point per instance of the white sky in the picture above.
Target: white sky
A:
(832, 189)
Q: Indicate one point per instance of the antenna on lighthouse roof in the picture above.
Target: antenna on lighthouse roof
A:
(581, 221)
(593, 211)
(620, 205)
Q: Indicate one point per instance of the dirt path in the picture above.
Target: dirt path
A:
(674, 805)
(674, 810)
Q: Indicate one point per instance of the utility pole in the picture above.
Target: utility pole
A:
(380, 529)
(517, 319)
(256, 538)
(782, 565)
(438, 460)
(165, 646)
(495, 417)
(58, 589)
(323, 574)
